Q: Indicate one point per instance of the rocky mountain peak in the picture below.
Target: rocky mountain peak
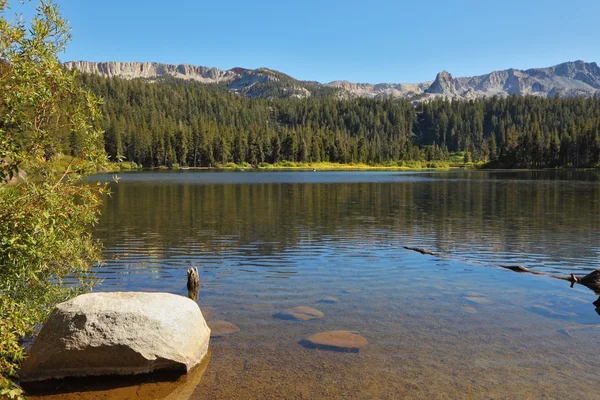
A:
(443, 84)
(569, 79)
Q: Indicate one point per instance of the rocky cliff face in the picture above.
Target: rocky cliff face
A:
(444, 85)
(260, 82)
(400, 90)
(568, 79)
(131, 70)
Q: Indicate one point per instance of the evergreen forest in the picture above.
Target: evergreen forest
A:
(175, 122)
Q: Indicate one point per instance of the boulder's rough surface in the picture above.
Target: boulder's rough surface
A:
(301, 313)
(119, 333)
(345, 341)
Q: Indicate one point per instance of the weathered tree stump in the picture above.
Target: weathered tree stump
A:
(591, 280)
(193, 283)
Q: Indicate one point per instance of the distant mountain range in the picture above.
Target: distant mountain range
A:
(569, 79)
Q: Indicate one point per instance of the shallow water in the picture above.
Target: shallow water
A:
(438, 326)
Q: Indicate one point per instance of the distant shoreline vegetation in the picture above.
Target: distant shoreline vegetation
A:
(290, 165)
(174, 122)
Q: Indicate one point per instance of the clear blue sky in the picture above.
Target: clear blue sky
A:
(360, 41)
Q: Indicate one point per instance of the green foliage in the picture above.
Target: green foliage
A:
(49, 129)
(173, 121)
(128, 165)
(187, 123)
(517, 131)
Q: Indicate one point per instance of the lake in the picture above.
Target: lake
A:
(438, 327)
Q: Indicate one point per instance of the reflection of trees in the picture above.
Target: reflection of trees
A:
(451, 212)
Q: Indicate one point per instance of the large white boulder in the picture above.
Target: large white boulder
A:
(119, 333)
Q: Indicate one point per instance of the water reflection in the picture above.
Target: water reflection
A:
(525, 218)
(437, 327)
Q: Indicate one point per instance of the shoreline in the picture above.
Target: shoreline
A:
(322, 166)
(338, 167)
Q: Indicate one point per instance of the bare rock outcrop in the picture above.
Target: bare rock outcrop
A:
(151, 70)
(444, 84)
(569, 79)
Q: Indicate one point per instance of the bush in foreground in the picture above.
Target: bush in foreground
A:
(45, 117)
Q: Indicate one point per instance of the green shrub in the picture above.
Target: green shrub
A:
(44, 219)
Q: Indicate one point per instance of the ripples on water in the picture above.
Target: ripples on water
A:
(437, 326)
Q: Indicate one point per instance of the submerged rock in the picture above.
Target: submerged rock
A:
(257, 307)
(119, 333)
(352, 291)
(301, 313)
(344, 341)
(329, 300)
(477, 300)
(220, 328)
(207, 311)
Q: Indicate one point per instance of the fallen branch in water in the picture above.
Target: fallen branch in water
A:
(421, 250)
(591, 280)
(520, 268)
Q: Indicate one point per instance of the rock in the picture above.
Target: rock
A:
(352, 291)
(329, 300)
(568, 330)
(120, 333)
(301, 313)
(208, 311)
(444, 84)
(220, 328)
(477, 300)
(257, 307)
(133, 70)
(568, 79)
(344, 341)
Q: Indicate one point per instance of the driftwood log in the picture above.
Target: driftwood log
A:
(591, 280)
(520, 268)
(193, 283)
(421, 250)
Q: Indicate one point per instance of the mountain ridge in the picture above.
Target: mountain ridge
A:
(568, 79)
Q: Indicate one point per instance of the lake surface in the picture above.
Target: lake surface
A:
(438, 327)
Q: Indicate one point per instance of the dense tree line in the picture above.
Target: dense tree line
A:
(173, 121)
(516, 131)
